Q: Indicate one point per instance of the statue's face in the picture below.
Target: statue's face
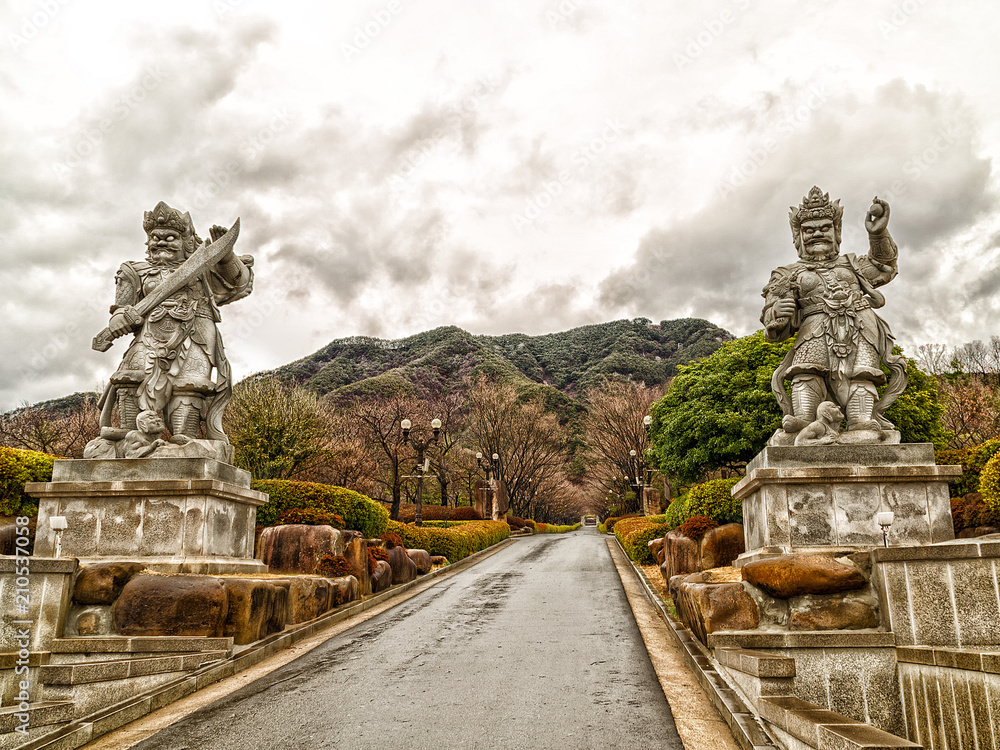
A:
(150, 422)
(165, 245)
(819, 239)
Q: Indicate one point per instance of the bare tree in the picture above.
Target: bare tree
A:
(613, 430)
(38, 429)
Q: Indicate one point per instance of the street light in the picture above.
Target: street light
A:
(640, 468)
(884, 519)
(489, 465)
(420, 446)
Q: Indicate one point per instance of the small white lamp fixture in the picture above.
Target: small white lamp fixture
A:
(884, 519)
(647, 421)
(58, 524)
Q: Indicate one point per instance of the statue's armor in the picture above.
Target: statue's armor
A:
(168, 367)
(841, 341)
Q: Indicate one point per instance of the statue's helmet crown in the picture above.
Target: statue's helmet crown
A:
(816, 205)
(165, 217)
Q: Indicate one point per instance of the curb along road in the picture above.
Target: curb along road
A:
(127, 723)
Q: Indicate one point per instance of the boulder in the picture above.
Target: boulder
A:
(296, 548)
(710, 607)
(404, 569)
(721, 546)
(382, 577)
(250, 609)
(786, 576)
(831, 613)
(656, 549)
(343, 590)
(438, 560)
(673, 583)
(279, 615)
(421, 559)
(308, 597)
(102, 582)
(90, 620)
(171, 605)
(680, 554)
(356, 552)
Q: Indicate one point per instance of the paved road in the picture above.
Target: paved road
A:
(535, 647)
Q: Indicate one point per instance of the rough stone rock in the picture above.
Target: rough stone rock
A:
(710, 607)
(279, 614)
(8, 538)
(796, 575)
(296, 548)
(404, 569)
(382, 577)
(250, 609)
(721, 545)
(656, 549)
(343, 590)
(356, 553)
(101, 583)
(773, 612)
(680, 554)
(172, 605)
(673, 583)
(376, 542)
(831, 613)
(91, 620)
(421, 559)
(308, 597)
(438, 560)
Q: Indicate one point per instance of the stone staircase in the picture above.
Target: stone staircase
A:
(81, 676)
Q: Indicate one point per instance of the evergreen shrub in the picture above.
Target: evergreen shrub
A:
(696, 527)
(973, 460)
(17, 468)
(333, 566)
(311, 517)
(456, 542)
(713, 499)
(635, 533)
(359, 513)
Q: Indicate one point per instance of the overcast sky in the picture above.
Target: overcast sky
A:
(500, 166)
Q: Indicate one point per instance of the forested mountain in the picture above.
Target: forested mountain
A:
(571, 361)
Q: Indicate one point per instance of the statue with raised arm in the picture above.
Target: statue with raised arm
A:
(175, 367)
(828, 301)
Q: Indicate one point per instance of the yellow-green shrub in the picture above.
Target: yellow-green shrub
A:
(635, 533)
(359, 512)
(713, 499)
(458, 540)
(973, 460)
(989, 482)
(17, 468)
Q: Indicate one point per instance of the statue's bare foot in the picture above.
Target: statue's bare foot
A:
(793, 424)
(870, 424)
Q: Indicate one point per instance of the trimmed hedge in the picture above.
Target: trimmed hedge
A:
(609, 523)
(973, 461)
(360, 513)
(989, 483)
(311, 517)
(697, 526)
(17, 468)
(677, 512)
(551, 528)
(970, 512)
(456, 542)
(713, 499)
(635, 533)
(408, 513)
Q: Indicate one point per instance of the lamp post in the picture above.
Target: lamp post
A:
(884, 519)
(489, 465)
(640, 465)
(420, 446)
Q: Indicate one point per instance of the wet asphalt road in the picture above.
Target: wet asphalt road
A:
(535, 647)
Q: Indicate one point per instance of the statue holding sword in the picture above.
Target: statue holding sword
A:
(175, 367)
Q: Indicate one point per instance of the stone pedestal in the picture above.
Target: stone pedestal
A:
(187, 515)
(823, 499)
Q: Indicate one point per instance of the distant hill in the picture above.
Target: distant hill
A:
(570, 362)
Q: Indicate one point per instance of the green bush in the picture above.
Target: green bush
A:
(677, 512)
(713, 499)
(457, 542)
(636, 532)
(17, 468)
(311, 517)
(609, 523)
(360, 513)
(972, 460)
(551, 528)
(989, 482)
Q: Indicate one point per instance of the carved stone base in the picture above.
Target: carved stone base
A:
(823, 499)
(188, 515)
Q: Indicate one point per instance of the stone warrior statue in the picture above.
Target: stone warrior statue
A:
(829, 300)
(176, 365)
